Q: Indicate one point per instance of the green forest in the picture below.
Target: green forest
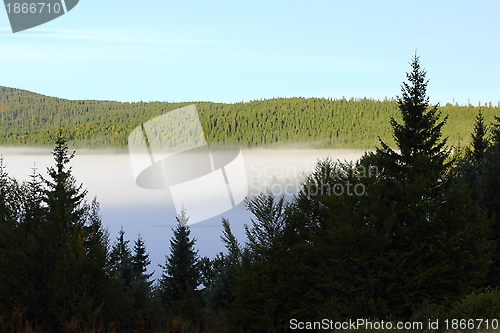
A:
(407, 235)
(28, 118)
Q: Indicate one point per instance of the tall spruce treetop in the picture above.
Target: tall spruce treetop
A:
(495, 135)
(418, 137)
(121, 259)
(181, 269)
(479, 141)
(65, 200)
(140, 261)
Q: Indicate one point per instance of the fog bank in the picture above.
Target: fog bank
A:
(107, 175)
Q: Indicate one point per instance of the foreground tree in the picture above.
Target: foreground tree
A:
(479, 140)
(178, 284)
(418, 137)
(411, 235)
(272, 283)
(481, 172)
(57, 255)
(439, 244)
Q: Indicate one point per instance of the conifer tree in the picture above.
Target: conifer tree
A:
(121, 260)
(141, 285)
(472, 165)
(418, 137)
(140, 261)
(430, 217)
(180, 272)
(9, 203)
(218, 274)
(479, 141)
(483, 177)
(64, 200)
(495, 134)
(58, 253)
(410, 236)
(268, 280)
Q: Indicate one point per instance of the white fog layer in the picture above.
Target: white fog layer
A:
(108, 176)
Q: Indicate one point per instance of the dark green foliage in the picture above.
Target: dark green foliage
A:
(141, 285)
(483, 305)
(372, 239)
(480, 170)
(54, 250)
(180, 274)
(479, 141)
(133, 298)
(269, 284)
(434, 226)
(405, 233)
(56, 269)
(418, 137)
(121, 260)
(218, 274)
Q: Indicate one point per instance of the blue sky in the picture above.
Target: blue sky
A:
(229, 51)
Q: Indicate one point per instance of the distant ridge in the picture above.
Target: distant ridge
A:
(28, 118)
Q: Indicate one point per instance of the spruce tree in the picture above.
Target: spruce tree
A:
(180, 272)
(121, 260)
(141, 285)
(483, 177)
(64, 200)
(410, 236)
(268, 284)
(10, 262)
(479, 141)
(218, 274)
(422, 153)
(433, 226)
(57, 257)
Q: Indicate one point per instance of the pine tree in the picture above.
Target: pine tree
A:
(410, 236)
(422, 153)
(141, 285)
(479, 141)
(483, 177)
(218, 274)
(268, 282)
(121, 260)
(180, 272)
(9, 242)
(495, 134)
(58, 253)
(64, 200)
(434, 225)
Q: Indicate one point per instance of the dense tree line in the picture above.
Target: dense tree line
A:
(407, 232)
(28, 118)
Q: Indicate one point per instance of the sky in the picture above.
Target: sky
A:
(233, 51)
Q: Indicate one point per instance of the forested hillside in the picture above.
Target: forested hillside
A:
(28, 118)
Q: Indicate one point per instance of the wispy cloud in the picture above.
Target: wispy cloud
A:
(129, 36)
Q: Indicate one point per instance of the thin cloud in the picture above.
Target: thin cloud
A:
(114, 35)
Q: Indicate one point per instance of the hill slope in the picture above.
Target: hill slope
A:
(27, 118)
